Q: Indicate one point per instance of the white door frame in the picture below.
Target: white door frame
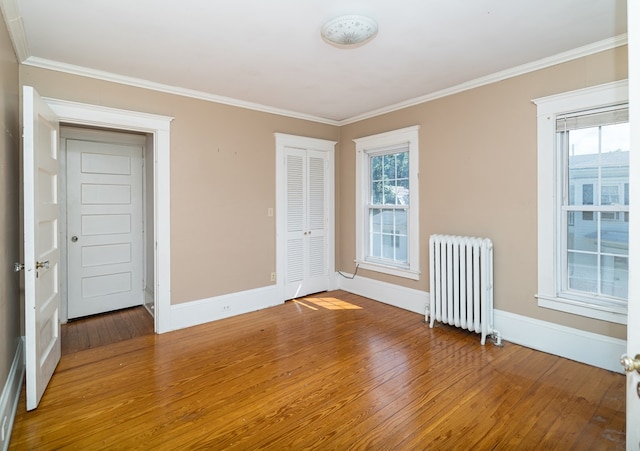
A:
(301, 142)
(74, 113)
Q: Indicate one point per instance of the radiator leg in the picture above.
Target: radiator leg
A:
(497, 338)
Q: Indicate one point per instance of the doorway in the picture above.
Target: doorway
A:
(107, 220)
(157, 129)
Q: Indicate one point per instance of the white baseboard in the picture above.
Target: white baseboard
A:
(10, 396)
(211, 309)
(575, 344)
(396, 295)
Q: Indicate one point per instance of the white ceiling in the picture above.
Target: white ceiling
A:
(268, 54)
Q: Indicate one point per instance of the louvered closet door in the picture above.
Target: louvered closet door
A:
(307, 203)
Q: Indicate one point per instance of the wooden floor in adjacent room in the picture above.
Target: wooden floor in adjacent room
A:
(332, 371)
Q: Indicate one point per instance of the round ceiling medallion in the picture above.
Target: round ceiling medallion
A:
(349, 31)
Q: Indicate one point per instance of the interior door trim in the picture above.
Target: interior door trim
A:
(301, 142)
(74, 113)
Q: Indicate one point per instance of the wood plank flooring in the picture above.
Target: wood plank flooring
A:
(100, 330)
(332, 371)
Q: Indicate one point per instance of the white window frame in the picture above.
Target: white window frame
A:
(364, 148)
(549, 191)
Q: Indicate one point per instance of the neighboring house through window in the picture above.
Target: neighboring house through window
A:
(387, 203)
(583, 202)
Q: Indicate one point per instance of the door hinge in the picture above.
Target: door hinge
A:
(17, 267)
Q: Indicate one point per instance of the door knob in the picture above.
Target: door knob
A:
(40, 265)
(74, 239)
(630, 364)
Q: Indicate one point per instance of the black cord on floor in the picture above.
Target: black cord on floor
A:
(354, 273)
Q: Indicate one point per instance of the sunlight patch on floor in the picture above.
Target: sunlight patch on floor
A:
(332, 303)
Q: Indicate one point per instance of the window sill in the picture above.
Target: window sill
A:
(394, 271)
(611, 314)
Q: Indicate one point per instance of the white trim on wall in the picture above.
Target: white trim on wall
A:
(11, 395)
(17, 35)
(159, 126)
(219, 307)
(405, 298)
(575, 344)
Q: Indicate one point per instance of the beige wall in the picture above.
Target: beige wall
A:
(222, 180)
(478, 176)
(9, 205)
(477, 172)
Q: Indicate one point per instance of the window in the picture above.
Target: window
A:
(387, 203)
(583, 207)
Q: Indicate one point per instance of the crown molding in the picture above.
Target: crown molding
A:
(168, 89)
(13, 19)
(590, 49)
(14, 22)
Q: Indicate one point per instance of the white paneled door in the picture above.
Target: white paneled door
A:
(307, 220)
(41, 244)
(633, 315)
(104, 223)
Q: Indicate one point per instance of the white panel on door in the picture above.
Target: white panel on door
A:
(105, 224)
(47, 187)
(41, 251)
(95, 163)
(104, 221)
(295, 193)
(102, 194)
(295, 260)
(104, 285)
(317, 204)
(48, 236)
(107, 254)
(317, 263)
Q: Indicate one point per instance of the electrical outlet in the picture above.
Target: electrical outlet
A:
(270, 212)
(273, 276)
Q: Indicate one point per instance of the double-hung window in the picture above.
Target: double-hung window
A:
(583, 202)
(387, 203)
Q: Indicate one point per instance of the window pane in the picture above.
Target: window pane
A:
(401, 222)
(403, 165)
(583, 272)
(376, 168)
(584, 141)
(614, 275)
(388, 247)
(377, 191)
(403, 192)
(376, 243)
(401, 249)
(614, 235)
(583, 234)
(387, 222)
(615, 138)
(390, 167)
(389, 192)
(389, 234)
(376, 220)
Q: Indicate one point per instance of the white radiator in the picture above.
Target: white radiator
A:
(461, 284)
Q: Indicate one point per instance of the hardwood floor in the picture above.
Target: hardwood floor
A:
(333, 371)
(100, 330)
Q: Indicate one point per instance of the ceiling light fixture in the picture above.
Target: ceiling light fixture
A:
(349, 31)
